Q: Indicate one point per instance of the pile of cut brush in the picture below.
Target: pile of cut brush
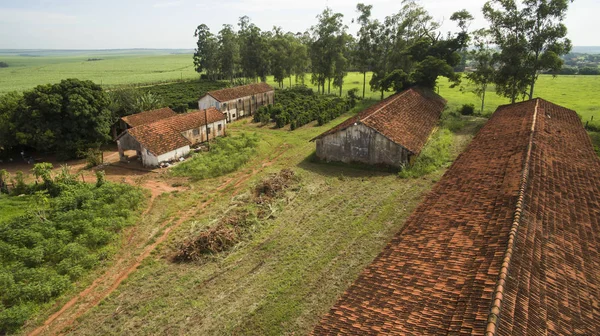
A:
(274, 185)
(237, 224)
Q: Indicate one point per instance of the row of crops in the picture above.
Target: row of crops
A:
(299, 105)
(183, 95)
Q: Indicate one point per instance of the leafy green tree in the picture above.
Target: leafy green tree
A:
(341, 61)
(484, 59)
(325, 47)
(147, 101)
(279, 55)
(67, 117)
(229, 53)
(364, 51)
(9, 105)
(531, 38)
(253, 46)
(411, 51)
(206, 54)
(463, 19)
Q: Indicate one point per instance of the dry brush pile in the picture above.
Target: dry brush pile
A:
(239, 223)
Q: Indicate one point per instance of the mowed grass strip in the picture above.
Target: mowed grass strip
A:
(291, 270)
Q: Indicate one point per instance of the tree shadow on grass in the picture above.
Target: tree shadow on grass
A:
(336, 169)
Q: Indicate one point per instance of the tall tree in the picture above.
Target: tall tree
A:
(363, 56)
(253, 46)
(68, 117)
(463, 19)
(206, 54)
(484, 58)
(325, 47)
(531, 38)
(279, 56)
(229, 53)
(341, 60)
(299, 60)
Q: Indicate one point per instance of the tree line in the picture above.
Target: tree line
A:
(524, 39)
(403, 50)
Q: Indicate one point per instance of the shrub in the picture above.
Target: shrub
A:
(467, 109)
(225, 155)
(434, 155)
(3, 65)
(42, 255)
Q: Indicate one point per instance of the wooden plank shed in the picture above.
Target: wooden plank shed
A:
(388, 133)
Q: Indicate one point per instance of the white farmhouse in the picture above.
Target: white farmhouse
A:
(239, 101)
(172, 137)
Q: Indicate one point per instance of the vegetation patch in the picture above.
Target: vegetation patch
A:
(183, 95)
(300, 105)
(68, 227)
(238, 223)
(225, 156)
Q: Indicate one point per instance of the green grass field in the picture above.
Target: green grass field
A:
(574, 92)
(25, 72)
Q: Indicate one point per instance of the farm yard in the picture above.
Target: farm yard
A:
(251, 187)
(279, 277)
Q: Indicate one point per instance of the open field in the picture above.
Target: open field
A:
(575, 92)
(283, 277)
(147, 67)
(25, 72)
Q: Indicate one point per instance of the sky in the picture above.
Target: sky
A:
(123, 24)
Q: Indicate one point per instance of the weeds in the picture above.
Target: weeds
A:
(225, 156)
(434, 155)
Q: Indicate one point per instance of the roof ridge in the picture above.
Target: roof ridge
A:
(386, 105)
(494, 315)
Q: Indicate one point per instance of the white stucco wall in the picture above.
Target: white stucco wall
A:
(207, 101)
(150, 160)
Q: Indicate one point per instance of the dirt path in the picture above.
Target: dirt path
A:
(128, 262)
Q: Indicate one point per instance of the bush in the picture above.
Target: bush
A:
(225, 155)
(3, 65)
(589, 71)
(467, 109)
(434, 155)
(56, 242)
(299, 105)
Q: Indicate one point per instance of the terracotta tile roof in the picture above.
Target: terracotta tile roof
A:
(164, 135)
(507, 242)
(406, 118)
(148, 117)
(224, 95)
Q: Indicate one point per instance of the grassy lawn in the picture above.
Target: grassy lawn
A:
(292, 268)
(11, 207)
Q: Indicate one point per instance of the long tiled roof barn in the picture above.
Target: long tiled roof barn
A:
(506, 243)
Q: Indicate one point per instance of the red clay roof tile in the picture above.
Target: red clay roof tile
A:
(148, 117)
(442, 273)
(406, 118)
(165, 135)
(228, 94)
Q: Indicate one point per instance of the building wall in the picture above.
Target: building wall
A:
(150, 160)
(206, 102)
(238, 108)
(201, 136)
(359, 143)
